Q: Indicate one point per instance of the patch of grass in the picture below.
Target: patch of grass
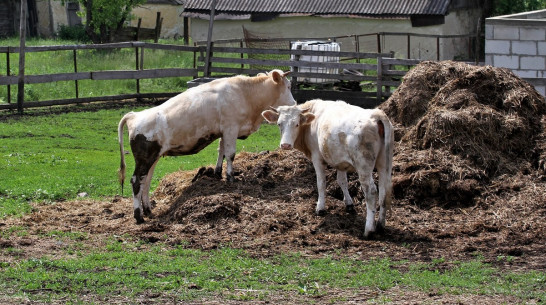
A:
(126, 269)
(58, 234)
(56, 157)
(14, 231)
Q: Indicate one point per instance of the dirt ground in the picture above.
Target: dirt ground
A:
(469, 179)
(269, 209)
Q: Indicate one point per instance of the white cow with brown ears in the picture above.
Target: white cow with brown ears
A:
(348, 138)
(227, 108)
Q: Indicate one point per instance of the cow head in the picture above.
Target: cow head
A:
(290, 119)
(284, 86)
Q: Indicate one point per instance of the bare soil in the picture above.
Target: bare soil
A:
(469, 179)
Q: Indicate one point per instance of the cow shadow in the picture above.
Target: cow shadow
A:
(337, 221)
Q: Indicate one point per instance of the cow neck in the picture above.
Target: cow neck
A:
(301, 141)
(260, 95)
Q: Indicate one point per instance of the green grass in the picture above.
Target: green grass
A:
(55, 157)
(91, 60)
(132, 269)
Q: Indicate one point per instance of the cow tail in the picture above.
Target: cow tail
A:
(389, 138)
(121, 170)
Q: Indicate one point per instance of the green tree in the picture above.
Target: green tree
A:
(103, 18)
(505, 7)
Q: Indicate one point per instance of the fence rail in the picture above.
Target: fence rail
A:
(137, 74)
(378, 70)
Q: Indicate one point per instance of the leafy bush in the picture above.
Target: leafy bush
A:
(73, 32)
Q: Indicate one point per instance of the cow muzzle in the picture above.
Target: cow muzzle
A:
(286, 146)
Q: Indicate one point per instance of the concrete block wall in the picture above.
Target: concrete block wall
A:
(518, 42)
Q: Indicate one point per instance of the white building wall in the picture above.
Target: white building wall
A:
(518, 42)
(456, 23)
(172, 26)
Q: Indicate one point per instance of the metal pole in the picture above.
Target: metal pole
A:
(22, 37)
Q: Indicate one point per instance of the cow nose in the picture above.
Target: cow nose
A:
(286, 146)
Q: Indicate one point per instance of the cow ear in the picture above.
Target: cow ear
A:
(271, 116)
(277, 77)
(307, 118)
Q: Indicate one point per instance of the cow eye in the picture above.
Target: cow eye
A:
(297, 125)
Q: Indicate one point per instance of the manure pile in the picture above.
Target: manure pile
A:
(468, 176)
(461, 126)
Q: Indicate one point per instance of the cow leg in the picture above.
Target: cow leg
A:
(321, 186)
(220, 161)
(384, 179)
(146, 154)
(370, 193)
(230, 140)
(146, 192)
(139, 188)
(342, 181)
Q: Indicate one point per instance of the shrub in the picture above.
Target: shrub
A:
(73, 32)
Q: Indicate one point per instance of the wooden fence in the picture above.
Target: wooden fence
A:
(137, 74)
(377, 71)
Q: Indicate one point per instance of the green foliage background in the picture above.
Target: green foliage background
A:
(506, 7)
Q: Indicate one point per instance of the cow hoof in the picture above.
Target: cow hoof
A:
(218, 173)
(369, 235)
(321, 213)
(350, 209)
(148, 212)
(138, 217)
(379, 228)
(230, 178)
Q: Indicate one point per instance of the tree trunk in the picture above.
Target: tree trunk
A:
(89, 26)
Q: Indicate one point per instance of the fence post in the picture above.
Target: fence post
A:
(22, 35)
(158, 23)
(209, 38)
(357, 46)
(294, 80)
(76, 71)
(438, 48)
(8, 73)
(137, 68)
(379, 94)
(242, 54)
(137, 34)
(378, 43)
(409, 47)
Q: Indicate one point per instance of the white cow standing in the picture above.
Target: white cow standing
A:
(228, 108)
(348, 138)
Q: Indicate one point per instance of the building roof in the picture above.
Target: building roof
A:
(362, 8)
